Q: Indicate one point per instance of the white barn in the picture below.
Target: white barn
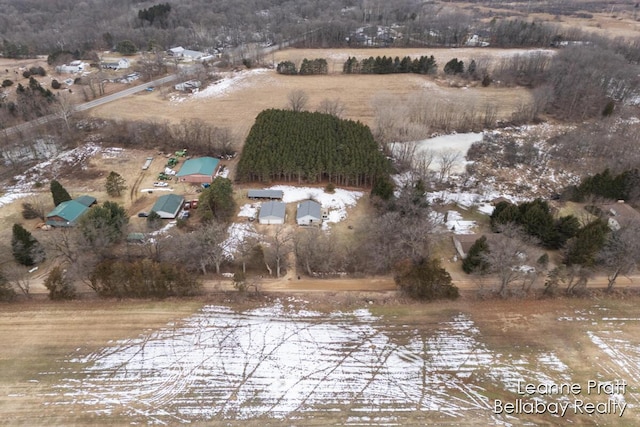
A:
(309, 213)
(272, 213)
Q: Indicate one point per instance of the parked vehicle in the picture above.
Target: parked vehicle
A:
(143, 214)
(160, 184)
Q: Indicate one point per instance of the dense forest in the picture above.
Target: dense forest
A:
(289, 145)
(40, 27)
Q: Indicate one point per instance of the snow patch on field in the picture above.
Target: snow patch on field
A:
(282, 363)
(231, 81)
(237, 233)
(250, 210)
(43, 171)
(456, 224)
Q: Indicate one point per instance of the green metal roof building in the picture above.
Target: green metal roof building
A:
(199, 170)
(168, 206)
(66, 214)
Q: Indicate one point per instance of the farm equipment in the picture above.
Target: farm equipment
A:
(164, 177)
(181, 153)
(172, 162)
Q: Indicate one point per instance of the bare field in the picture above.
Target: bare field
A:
(237, 106)
(265, 361)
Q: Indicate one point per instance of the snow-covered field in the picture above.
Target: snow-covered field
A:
(231, 81)
(289, 363)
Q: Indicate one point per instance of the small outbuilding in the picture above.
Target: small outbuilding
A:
(309, 213)
(272, 213)
(199, 170)
(168, 206)
(265, 194)
(66, 214)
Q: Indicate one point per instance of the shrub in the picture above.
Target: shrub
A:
(7, 83)
(425, 280)
(7, 293)
(55, 84)
(330, 188)
(59, 287)
(142, 279)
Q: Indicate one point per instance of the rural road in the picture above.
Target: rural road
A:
(91, 104)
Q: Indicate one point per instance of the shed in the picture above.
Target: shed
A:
(272, 213)
(66, 214)
(88, 201)
(309, 213)
(168, 206)
(199, 170)
(265, 194)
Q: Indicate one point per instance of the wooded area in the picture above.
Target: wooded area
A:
(288, 145)
(36, 27)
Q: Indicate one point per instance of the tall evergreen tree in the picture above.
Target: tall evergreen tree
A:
(59, 193)
(115, 184)
(475, 262)
(26, 248)
(216, 202)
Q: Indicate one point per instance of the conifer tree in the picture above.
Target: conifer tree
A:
(59, 193)
(26, 249)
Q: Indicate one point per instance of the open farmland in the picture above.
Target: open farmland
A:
(236, 100)
(354, 364)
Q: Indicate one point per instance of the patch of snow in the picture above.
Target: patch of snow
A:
(279, 363)
(230, 82)
(250, 210)
(237, 233)
(458, 225)
(337, 202)
(148, 190)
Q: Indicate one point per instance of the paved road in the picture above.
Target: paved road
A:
(91, 104)
(123, 93)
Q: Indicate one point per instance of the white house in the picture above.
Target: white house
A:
(309, 213)
(120, 64)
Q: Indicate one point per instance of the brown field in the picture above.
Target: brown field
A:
(44, 336)
(238, 107)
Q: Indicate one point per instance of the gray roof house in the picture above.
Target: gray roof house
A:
(272, 213)
(309, 213)
(168, 206)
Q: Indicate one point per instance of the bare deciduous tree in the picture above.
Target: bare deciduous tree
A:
(279, 247)
(335, 107)
(298, 100)
(621, 252)
(446, 160)
(510, 258)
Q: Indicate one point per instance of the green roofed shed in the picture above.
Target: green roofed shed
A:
(199, 170)
(168, 206)
(66, 214)
(88, 201)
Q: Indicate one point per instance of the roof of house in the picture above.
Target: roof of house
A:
(70, 210)
(621, 211)
(265, 194)
(86, 200)
(176, 50)
(170, 203)
(272, 209)
(199, 166)
(309, 207)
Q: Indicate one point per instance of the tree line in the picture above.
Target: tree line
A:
(308, 67)
(299, 145)
(389, 65)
